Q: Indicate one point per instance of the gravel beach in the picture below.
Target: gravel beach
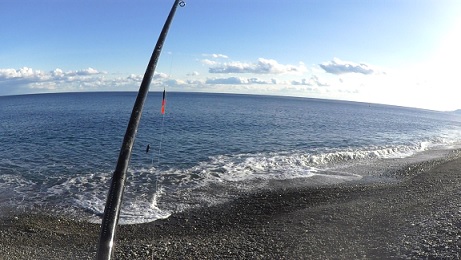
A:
(417, 217)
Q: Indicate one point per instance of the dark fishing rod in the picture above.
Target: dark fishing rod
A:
(115, 195)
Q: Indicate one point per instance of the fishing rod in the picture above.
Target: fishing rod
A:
(115, 195)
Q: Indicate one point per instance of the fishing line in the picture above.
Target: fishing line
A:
(162, 111)
(162, 129)
(162, 134)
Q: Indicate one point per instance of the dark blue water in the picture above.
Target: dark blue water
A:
(58, 151)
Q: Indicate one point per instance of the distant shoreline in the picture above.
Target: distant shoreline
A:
(416, 218)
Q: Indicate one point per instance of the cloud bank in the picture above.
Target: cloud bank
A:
(262, 66)
(266, 76)
(312, 81)
(26, 74)
(337, 67)
(27, 80)
(237, 81)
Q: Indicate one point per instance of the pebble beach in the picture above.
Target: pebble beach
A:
(418, 216)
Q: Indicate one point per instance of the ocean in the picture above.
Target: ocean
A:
(58, 151)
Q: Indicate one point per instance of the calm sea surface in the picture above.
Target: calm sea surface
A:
(58, 151)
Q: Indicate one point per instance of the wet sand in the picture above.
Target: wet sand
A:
(418, 217)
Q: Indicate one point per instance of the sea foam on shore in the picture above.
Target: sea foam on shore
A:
(418, 217)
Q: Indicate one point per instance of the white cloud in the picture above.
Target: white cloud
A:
(37, 75)
(27, 80)
(16, 81)
(172, 83)
(216, 56)
(237, 81)
(23, 80)
(85, 72)
(209, 62)
(312, 81)
(262, 66)
(22, 73)
(337, 66)
(231, 80)
(195, 82)
(160, 75)
(134, 77)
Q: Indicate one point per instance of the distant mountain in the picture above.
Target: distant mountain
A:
(458, 111)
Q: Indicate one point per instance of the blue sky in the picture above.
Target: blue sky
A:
(400, 52)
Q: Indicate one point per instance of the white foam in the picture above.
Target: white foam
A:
(284, 165)
(141, 212)
(144, 211)
(88, 192)
(152, 193)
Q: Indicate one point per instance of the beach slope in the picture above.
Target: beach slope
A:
(418, 217)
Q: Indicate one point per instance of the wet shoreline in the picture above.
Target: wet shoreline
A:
(418, 217)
